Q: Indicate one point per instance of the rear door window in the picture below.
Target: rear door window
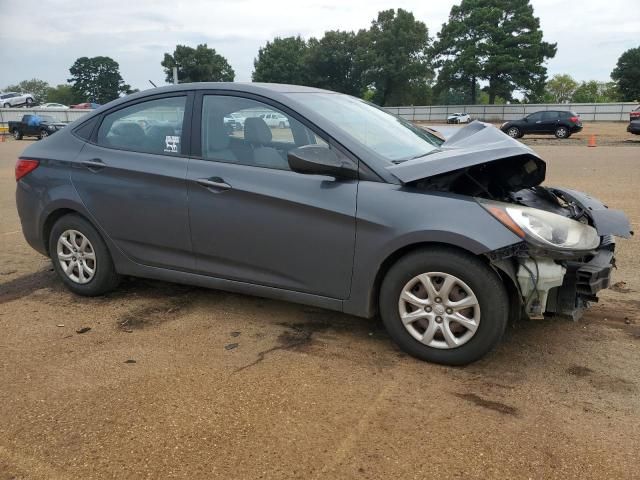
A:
(154, 126)
(548, 116)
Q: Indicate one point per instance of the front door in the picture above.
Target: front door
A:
(254, 220)
(132, 181)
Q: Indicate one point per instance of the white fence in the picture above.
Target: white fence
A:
(15, 114)
(598, 112)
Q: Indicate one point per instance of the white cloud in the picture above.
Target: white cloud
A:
(137, 33)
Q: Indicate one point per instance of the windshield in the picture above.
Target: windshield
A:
(387, 135)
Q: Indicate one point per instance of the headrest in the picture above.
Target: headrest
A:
(129, 130)
(256, 130)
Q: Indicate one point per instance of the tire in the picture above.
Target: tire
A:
(104, 278)
(17, 134)
(490, 312)
(43, 134)
(29, 101)
(562, 132)
(7, 105)
(514, 132)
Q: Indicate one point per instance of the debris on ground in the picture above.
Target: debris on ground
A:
(130, 361)
(620, 287)
(83, 330)
(235, 334)
(231, 346)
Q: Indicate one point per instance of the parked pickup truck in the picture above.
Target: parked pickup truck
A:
(40, 126)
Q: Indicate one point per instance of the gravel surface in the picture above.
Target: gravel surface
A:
(179, 382)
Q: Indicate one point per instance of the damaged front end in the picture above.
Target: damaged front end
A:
(567, 250)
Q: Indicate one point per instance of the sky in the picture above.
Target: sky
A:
(42, 38)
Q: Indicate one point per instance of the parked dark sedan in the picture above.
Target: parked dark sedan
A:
(634, 127)
(559, 123)
(347, 207)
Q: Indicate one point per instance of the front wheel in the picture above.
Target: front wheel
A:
(514, 132)
(43, 134)
(444, 306)
(81, 258)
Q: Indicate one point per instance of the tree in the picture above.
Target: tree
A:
(627, 75)
(332, 63)
(200, 64)
(595, 92)
(282, 60)
(64, 94)
(498, 41)
(395, 54)
(97, 79)
(561, 88)
(38, 88)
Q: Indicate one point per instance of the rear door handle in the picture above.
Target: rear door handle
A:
(215, 183)
(94, 164)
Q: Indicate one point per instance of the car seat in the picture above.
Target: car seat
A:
(258, 134)
(217, 140)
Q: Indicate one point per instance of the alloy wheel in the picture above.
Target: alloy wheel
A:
(76, 256)
(439, 310)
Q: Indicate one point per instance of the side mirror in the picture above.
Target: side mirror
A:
(319, 160)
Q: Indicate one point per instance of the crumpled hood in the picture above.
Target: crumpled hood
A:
(477, 143)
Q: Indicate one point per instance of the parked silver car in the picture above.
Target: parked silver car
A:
(15, 99)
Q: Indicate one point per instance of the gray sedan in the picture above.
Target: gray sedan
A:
(346, 207)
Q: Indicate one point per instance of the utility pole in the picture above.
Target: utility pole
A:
(175, 75)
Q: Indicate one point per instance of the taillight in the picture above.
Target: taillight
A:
(574, 119)
(24, 166)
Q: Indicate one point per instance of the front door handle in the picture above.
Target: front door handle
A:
(215, 183)
(94, 164)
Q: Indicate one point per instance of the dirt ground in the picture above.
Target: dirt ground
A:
(180, 382)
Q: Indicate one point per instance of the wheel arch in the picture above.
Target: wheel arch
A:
(397, 254)
(53, 217)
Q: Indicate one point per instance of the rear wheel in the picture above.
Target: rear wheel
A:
(81, 258)
(562, 132)
(17, 134)
(7, 105)
(29, 101)
(514, 132)
(444, 306)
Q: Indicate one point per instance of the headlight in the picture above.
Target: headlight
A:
(543, 228)
(51, 127)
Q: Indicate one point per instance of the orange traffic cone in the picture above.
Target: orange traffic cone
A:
(592, 141)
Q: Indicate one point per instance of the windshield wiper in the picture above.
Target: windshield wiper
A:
(402, 160)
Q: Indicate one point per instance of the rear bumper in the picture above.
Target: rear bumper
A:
(576, 128)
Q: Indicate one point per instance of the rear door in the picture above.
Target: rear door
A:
(549, 121)
(252, 219)
(131, 177)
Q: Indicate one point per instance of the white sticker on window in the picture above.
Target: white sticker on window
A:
(171, 144)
